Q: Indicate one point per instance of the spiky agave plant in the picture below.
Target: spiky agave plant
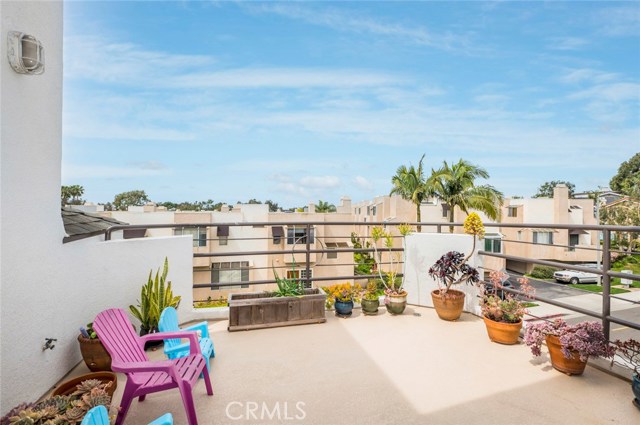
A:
(155, 296)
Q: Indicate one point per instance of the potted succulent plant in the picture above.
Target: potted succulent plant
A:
(452, 269)
(94, 354)
(569, 346)
(395, 296)
(342, 296)
(370, 299)
(62, 409)
(629, 351)
(503, 312)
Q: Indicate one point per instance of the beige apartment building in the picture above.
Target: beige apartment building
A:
(573, 246)
(226, 253)
(276, 232)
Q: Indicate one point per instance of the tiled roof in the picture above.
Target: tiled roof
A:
(79, 225)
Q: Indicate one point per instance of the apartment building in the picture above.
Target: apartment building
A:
(570, 246)
(225, 250)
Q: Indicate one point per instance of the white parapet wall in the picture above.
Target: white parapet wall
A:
(89, 276)
(422, 250)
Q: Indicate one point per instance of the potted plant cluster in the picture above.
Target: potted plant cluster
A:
(342, 296)
(629, 351)
(395, 296)
(570, 346)
(452, 269)
(370, 299)
(94, 354)
(155, 296)
(61, 409)
(503, 312)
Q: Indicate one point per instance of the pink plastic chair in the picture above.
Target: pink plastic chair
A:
(144, 376)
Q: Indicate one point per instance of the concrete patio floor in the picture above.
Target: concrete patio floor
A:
(409, 369)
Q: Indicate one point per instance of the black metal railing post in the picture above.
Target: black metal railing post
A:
(606, 282)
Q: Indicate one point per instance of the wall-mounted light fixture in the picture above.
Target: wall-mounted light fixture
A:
(25, 52)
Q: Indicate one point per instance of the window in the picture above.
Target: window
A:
(445, 210)
(223, 235)
(300, 274)
(230, 272)
(493, 244)
(543, 238)
(573, 241)
(278, 234)
(199, 234)
(374, 210)
(335, 245)
(512, 211)
(298, 235)
(519, 235)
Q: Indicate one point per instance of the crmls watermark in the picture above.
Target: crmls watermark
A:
(251, 410)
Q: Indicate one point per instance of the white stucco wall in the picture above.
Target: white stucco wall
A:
(48, 289)
(422, 251)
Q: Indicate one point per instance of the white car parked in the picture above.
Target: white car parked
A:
(574, 277)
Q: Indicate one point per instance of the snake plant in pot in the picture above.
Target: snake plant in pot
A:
(155, 296)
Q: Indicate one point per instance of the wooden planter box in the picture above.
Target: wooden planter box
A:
(259, 310)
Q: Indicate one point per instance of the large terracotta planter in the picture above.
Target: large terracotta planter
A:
(448, 307)
(572, 366)
(94, 354)
(503, 333)
(396, 303)
(68, 387)
(370, 307)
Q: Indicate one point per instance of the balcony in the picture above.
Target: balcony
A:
(409, 369)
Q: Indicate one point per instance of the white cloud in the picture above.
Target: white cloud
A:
(362, 183)
(575, 76)
(344, 21)
(567, 43)
(620, 21)
(315, 182)
(74, 171)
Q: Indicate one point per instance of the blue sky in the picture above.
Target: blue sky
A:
(300, 101)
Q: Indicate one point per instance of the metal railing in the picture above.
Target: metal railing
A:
(309, 248)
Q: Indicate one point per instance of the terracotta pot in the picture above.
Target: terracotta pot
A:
(370, 307)
(94, 354)
(502, 332)
(396, 303)
(450, 306)
(572, 366)
(68, 387)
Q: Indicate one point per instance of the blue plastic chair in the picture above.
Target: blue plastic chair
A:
(174, 348)
(99, 416)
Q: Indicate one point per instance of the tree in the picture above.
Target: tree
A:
(626, 213)
(70, 195)
(129, 199)
(273, 206)
(546, 189)
(325, 207)
(455, 186)
(409, 183)
(627, 181)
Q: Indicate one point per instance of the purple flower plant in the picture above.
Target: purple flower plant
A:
(452, 269)
(585, 338)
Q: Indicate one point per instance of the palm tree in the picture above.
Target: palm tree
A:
(325, 207)
(409, 183)
(455, 186)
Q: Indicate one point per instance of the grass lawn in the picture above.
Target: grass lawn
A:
(627, 263)
(592, 287)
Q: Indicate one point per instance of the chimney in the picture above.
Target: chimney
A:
(312, 208)
(345, 205)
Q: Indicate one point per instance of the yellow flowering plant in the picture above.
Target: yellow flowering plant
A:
(343, 292)
(473, 226)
